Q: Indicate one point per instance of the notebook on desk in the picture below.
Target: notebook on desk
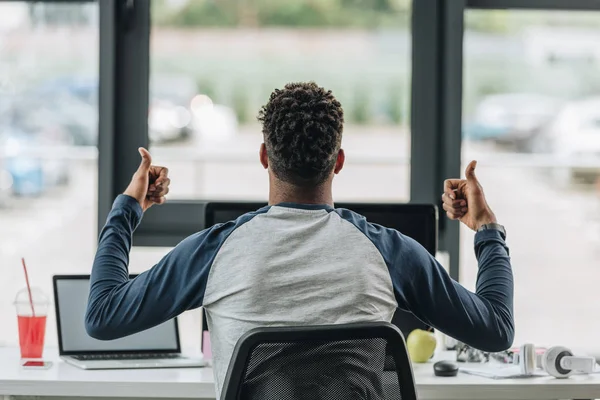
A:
(158, 347)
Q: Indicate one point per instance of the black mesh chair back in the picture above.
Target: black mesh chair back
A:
(332, 362)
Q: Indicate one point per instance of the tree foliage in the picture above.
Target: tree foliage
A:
(296, 13)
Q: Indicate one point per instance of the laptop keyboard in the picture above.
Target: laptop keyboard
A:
(135, 356)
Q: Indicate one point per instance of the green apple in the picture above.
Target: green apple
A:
(421, 345)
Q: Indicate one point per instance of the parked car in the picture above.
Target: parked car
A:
(510, 119)
(61, 111)
(573, 136)
(168, 121)
(170, 115)
(84, 88)
(31, 175)
(76, 107)
(26, 173)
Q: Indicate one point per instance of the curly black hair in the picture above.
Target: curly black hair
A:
(302, 128)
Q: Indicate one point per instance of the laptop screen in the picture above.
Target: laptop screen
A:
(71, 297)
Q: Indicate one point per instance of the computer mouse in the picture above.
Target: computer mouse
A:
(445, 368)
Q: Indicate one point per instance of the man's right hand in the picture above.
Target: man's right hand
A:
(150, 183)
(464, 200)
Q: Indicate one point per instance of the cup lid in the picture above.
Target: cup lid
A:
(37, 296)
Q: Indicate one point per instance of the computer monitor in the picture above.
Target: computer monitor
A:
(418, 221)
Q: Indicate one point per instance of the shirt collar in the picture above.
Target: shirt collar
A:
(326, 207)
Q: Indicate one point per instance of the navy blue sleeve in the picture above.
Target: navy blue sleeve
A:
(483, 319)
(119, 306)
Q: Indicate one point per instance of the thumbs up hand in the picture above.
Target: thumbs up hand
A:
(463, 199)
(150, 183)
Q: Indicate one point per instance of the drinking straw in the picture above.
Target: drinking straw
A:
(28, 287)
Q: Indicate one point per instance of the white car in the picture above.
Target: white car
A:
(573, 137)
(511, 118)
(170, 117)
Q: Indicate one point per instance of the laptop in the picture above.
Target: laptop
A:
(158, 347)
(418, 221)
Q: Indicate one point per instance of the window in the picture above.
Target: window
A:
(214, 64)
(48, 158)
(530, 111)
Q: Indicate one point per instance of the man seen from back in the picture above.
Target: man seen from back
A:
(299, 260)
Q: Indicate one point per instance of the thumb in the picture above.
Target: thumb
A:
(470, 171)
(146, 160)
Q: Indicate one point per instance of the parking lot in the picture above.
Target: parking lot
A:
(553, 233)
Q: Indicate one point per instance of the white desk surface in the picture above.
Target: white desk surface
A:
(64, 380)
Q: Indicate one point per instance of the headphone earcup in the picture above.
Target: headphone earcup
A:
(527, 359)
(551, 361)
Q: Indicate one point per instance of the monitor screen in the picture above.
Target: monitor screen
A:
(418, 221)
(71, 297)
(220, 212)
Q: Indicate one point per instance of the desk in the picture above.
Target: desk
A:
(63, 380)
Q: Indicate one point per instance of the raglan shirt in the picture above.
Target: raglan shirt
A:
(293, 264)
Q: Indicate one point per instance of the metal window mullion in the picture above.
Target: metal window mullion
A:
(424, 98)
(452, 19)
(436, 108)
(123, 95)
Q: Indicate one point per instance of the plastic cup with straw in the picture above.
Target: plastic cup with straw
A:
(32, 307)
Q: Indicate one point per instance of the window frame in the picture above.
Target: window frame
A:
(168, 224)
(123, 91)
(450, 84)
(436, 109)
(123, 75)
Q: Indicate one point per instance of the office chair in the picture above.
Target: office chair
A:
(331, 362)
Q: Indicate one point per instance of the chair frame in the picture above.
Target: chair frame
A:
(249, 341)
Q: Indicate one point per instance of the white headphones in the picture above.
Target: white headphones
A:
(526, 359)
(557, 361)
(560, 362)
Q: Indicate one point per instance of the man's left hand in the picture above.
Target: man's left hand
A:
(150, 183)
